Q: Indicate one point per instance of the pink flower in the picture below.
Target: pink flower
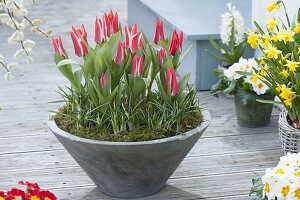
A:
(171, 81)
(80, 46)
(159, 31)
(137, 65)
(112, 23)
(120, 53)
(133, 38)
(176, 42)
(100, 30)
(161, 56)
(103, 80)
(58, 47)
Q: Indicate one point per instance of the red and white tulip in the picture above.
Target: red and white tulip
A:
(133, 38)
(159, 31)
(58, 47)
(79, 38)
(171, 81)
(176, 42)
(137, 65)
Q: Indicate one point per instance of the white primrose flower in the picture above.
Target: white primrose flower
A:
(232, 21)
(231, 74)
(259, 87)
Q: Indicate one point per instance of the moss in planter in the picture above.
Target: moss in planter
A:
(68, 124)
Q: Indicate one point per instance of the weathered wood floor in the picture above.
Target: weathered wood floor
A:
(220, 166)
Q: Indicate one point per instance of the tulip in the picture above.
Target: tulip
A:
(137, 65)
(133, 38)
(112, 23)
(100, 30)
(171, 81)
(176, 42)
(161, 56)
(159, 31)
(79, 38)
(120, 53)
(103, 80)
(58, 47)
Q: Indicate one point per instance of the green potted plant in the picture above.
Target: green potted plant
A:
(126, 119)
(280, 45)
(246, 91)
(232, 44)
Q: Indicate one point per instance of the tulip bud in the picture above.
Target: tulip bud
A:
(100, 31)
(58, 47)
(77, 36)
(137, 65)
(159, 31)
(161, 57)
(103, 80)
(133, 38)
(112, 23)
(172, 81)
(176, 42)
(120, 53)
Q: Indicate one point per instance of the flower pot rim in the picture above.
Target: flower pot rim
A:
(204, 124)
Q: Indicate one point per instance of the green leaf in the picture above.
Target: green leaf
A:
(222, 59)
(244, 73)
(259, 28)
(269, 101)
(184, 55)
(66, 62)
(214, 44)
(298, 16)
(184, 81)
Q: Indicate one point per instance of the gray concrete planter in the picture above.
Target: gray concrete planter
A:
(130, 169)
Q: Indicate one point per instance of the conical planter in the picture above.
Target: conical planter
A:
(130, 169)
(253, 114)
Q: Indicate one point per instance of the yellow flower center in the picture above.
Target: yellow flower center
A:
(279, 171)
(260, 85)
(297, 194)
(297, 173)
(47, 198)
(285, 190)
(2, 198)
(267, 188)
(34, 198)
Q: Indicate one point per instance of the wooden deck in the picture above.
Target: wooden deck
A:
(220, 166)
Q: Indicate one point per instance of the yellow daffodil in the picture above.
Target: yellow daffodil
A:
(273, 6)
(278, 87)
(272, 52)
(287, 95)
(292, 65)
(275, 38)
(272, 23)
(286, 35)
(253, 39)
(266, 39)
(285, 73)
(297, 28)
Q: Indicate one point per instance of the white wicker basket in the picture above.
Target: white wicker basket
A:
(289, 136)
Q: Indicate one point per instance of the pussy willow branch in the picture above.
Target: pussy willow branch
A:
(5, 67)
(30, 22)
(12, 19)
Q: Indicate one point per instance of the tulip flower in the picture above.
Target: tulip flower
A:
(133, 38)
(112, 23)
(159, 31)
(79, 38)
(161, 56)
(120, 53)
(176, 42)
(58, 47)
(137, 65)
(100, 30)
(172, 81)
(103, 80)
